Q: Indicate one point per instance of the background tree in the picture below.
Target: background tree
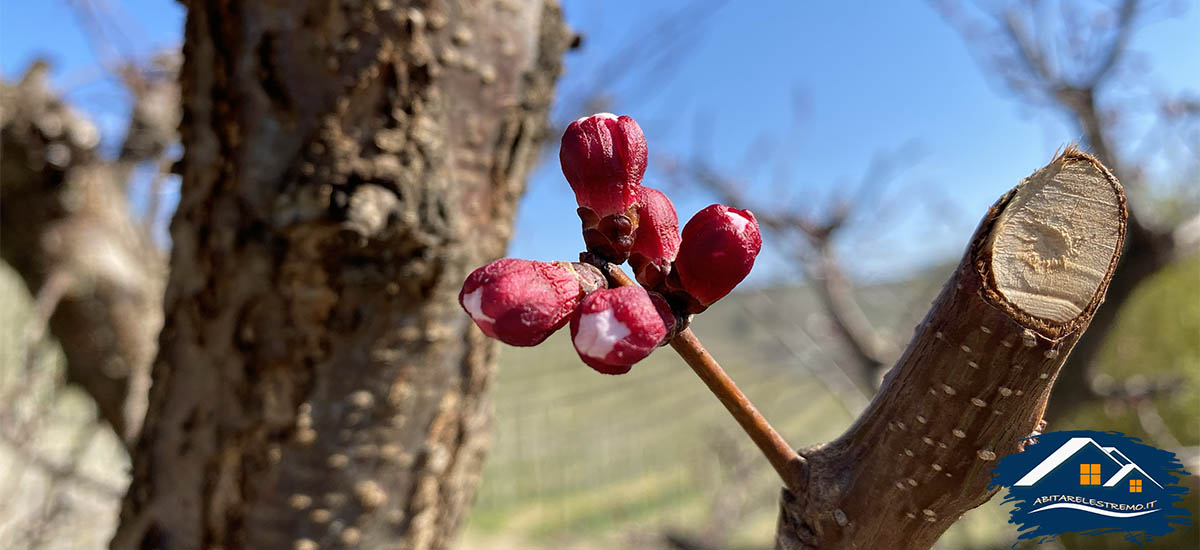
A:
(90, 261)
(70, 233)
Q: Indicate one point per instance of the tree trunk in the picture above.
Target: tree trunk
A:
(346, 164)
(977, 374)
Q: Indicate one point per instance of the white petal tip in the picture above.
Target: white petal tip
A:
(598, 333)
(473, 302)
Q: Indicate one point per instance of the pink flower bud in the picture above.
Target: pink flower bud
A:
(657, 239)
(604, 157)
(615, 328)
(521, 302)
(717, 251)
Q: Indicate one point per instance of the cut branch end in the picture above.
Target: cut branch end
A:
(976, 377)
(1053, 246)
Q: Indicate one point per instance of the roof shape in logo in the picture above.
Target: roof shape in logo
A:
(1074, 445)
(1125, 471)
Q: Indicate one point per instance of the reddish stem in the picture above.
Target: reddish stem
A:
(786, 461)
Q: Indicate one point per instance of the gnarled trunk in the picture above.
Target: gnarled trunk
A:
(346, 164)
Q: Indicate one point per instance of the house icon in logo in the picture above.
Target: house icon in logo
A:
(1097, 466)
(1087, 481)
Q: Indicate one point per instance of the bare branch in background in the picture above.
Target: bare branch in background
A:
(650, 58)
(1031, 66)
(812, 239)
(23, 417)
(19, 445)
(59, 483)
(70, 231)
(154, 117)
(841, 385)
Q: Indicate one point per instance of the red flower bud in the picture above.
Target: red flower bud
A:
(615, 328)
(657, 239)
(717, 251)
(521, 302)
(604, 158)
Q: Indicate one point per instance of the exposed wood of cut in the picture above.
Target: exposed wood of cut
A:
(977, 374)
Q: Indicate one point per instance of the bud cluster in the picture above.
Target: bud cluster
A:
(522, 302)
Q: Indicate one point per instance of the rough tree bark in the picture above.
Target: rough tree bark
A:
(976, 376)
(346, 164)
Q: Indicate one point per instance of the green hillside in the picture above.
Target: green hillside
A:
(583, 460)
(586, 461)
(580, 456)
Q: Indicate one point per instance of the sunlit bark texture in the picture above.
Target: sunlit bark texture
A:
(346, 164)
(977, 374)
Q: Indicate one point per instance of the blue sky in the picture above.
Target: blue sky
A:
(869, 77)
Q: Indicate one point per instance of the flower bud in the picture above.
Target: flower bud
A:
(657, 239)
(604, 158)
(615, 328)
(717, 251)
(521, 302)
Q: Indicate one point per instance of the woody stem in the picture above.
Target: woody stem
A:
(786, 461)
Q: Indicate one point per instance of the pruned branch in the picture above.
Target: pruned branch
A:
(976, 376)
(1028, 67)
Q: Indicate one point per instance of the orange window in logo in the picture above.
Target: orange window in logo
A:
(1089, 474)
(1135, 485)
